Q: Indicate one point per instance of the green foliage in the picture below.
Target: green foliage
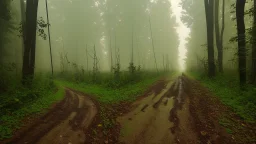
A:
(5, 13)
(128, 91)
(17, 102)
(132, 68)
(117, 72)
(110, 91)
(107, 122)
(226, 87)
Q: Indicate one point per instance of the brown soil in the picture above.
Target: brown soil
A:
(100, 133)
(147, 123)
(64, 123)
(183, 112)
(172, 111)
(208, 111)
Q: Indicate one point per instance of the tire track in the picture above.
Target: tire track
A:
(65, 123)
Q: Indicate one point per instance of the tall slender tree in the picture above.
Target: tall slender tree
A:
(218, 34)
(153, 45)
(240, 6)
(87, 59)
(110, 52)
(23, 21)
(209, 8)
(30, 41)
(49, 34)
(253, 74)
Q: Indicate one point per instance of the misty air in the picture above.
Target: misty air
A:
(127, 71)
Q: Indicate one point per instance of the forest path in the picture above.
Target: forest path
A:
(159, 118)
(64, 124)
(177, 114)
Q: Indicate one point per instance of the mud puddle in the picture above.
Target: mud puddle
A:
(65, 123)
(148, 122)
(160, 119)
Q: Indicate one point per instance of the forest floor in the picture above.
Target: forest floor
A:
(173, 110)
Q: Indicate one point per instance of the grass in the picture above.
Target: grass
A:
(226, 88)
(21, 102)
(18, 102)
(109, 95)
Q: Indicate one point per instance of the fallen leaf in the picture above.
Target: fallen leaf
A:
(203, 133)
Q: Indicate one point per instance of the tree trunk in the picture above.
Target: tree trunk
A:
(152, 40)
(30, 42)
(23, 22)
(219, 37)
(253, 79)
(49, 33)
(209, 4)
(240, 5)
(110, 51)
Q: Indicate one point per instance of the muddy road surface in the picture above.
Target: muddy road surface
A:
(159, 118)
(177, 110)
(177, 115)
(64, 124)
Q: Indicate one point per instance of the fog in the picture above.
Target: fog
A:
(75, 24)
(178, 32)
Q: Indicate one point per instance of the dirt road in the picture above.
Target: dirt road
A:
(184, 112)
(174, 111)
(159, 118)
(64, 124)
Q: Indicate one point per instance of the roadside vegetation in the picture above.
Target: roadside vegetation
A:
(19, 102)
(226, 88)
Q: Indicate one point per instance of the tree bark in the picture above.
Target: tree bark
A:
(219, 36)
(153, 46)
(253, 78)
(23, 22)
(209, 4)
(110, 51)
(49, 33)
(240, 5)
(30, 41)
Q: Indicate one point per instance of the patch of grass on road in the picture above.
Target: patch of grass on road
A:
(110, 95)
(226, 87)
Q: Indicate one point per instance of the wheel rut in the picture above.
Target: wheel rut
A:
(65, 123)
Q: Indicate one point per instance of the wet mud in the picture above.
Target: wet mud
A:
(65, 123)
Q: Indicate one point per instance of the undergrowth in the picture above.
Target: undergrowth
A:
(226, 87)
(18, 101)
(109, 91)
(107, 94)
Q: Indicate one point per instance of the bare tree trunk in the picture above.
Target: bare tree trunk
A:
(132, 47)
(209, 4)
(23, 22)
(30, 42)
(240, 5)
(138, 49)
(87, 59)
(219, 37)
(115, 50)
(253, 78)
(153, 44)
(163, 63)
(49, 34)
(110, 51)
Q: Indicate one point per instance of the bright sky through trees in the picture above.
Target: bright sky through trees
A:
(182, 31)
